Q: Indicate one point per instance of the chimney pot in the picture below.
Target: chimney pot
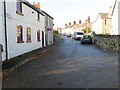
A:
(69, 23)
(74, 22)
(88, 19)
(79, 21)
(36, 5)
(65, 24)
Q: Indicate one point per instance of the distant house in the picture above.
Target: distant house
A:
(48, 26)
(115, 18)
(22, 28)
(87, 26)
(102, 24)
(75, 27)
(48, 29)
(66, 29)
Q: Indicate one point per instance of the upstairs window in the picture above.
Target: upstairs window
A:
(105, 22)
(19, 7)
(28, 34)
(20, 34)
(38, 35)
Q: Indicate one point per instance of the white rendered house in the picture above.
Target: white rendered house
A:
(25, 29)
(116, 18)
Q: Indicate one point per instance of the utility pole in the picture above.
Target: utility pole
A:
(5, 25)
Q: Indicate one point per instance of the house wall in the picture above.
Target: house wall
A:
(114, 29)
(97, 26)
(109, 26)
(1, 19)
(2, 29)
(48, 34)
(29, 19)
(119, 17)
(106, 28)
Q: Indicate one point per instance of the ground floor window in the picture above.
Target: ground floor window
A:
(38, 35)
(20, 34)
(28, 34)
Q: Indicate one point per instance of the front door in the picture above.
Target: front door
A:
(42, 38)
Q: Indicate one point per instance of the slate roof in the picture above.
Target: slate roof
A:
(103, 15)
(47, 14)
(31, 6)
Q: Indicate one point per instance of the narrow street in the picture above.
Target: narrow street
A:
(68, 64)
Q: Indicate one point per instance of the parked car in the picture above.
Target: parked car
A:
(86, 39)
(78, 35)
(68, 35)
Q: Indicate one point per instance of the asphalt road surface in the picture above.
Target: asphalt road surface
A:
(68, 64)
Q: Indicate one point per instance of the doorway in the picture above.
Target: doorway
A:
(42, 38)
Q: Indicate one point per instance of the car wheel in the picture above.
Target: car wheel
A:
(81, 42)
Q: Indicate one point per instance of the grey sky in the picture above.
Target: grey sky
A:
(65, 11)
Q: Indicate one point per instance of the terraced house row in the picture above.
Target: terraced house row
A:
(23, 27)
(104, 23)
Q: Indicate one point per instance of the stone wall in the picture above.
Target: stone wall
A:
(111, 42)
(56, 37)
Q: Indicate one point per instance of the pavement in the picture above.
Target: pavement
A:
(68, 64)
(10, 65)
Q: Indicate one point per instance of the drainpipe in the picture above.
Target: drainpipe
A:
(5, 25)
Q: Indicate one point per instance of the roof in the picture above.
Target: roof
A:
(31, 6)
(67, 27)
(47, 14)
(103, 15)
(78, 25)
(114, 7)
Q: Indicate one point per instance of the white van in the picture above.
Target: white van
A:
(78, 35)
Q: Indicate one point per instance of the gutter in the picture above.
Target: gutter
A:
(5, 24)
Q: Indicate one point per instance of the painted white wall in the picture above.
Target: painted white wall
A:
(2, 29)
(1, 21)
(1, 25)
(50, 33)
(114, 29)
(28, 20)
(97, 26)
(119, 17)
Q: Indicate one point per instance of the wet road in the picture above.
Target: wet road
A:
(68, 64)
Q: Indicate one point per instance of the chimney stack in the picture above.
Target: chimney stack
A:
(66, 24)
(69, 24)
(79, 21)
(36, 5)
(74, 22)
(88, 19)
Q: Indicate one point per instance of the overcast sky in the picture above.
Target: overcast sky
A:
(65, 11)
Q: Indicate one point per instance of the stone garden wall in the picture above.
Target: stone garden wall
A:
(111, 42)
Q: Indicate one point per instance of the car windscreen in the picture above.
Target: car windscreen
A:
(79, 33)
(87, 36)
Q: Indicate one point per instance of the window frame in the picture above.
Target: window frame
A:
(38, 36)
(19, 8)
(28, 30)
(20, 31)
